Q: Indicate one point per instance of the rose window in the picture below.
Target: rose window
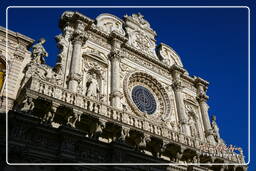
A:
(144, 99)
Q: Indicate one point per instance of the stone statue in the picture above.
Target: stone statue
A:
(93, 87)
(38, 52)
(28, 105)
(215, 128)
(72, 119)
(48, 117)
(192, 124)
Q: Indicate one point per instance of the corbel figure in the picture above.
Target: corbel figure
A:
(39, 52)
(142, 143)
(72, 119)
(97, 129)
(124, 134)
(28, 105)
(49, 116)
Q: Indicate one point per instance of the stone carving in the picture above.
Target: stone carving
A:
(140, 78)
(168, 56)
(109, 23)
(73, 118)
(139, 19)
(192, 120)
(143, 62)
(124, 134)
(143, 43)
(38, 52)
(192, 125)
(48, 118)
(140, 35)
(92, 87)
(62, 44)
(28, 105)
(96, 129)
(215, 129)
(141, 142)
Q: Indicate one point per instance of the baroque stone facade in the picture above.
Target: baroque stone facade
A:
(113, 87)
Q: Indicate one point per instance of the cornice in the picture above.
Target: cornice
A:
(20, 38)
(201, 81)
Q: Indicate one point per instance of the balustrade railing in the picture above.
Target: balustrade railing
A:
(124, 118)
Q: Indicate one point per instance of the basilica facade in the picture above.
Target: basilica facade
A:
(113, 96)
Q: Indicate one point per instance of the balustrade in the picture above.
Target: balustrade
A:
(86, 104)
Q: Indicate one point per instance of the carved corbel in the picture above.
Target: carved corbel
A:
(164, 146)
(49, 116)
(96, 129)
(74, 117)
(179, 154)
(123, 134)
(27, 105)
(159, 148)
(142, 143)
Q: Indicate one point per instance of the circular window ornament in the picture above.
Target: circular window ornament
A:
(146, 96)
(144, 99)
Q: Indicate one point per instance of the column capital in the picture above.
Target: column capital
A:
(202, 97)
(201, 82)
(177, 69)
(115, 54)
(79, 38)
(116, 37)
(177, 85)
(75, 76)
(116, 94)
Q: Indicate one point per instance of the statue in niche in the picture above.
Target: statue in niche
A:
(215, 129)
(38, 52)
(92, 87)
(28, 105)
(192, 125)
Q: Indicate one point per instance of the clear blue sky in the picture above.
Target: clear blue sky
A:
(212, 44)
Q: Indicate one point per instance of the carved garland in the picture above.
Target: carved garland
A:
(163, 110)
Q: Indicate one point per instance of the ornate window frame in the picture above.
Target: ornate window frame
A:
(163, 109)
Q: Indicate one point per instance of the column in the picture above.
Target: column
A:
(177, 87)
(115, 94)
(78, 39)
(202, 98)
(114, 56)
